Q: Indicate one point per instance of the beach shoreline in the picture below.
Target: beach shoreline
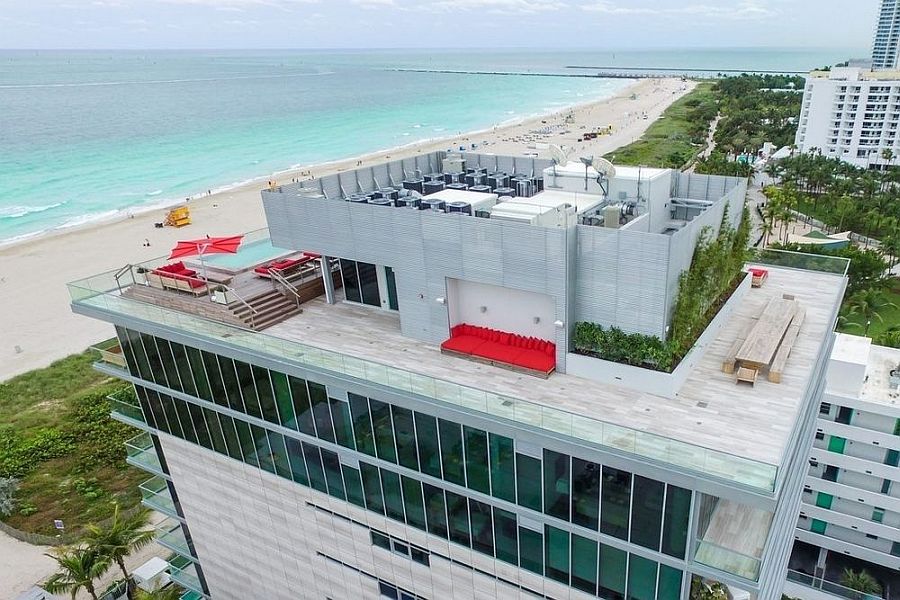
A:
(39, 327)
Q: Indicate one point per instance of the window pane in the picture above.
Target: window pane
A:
(263, 452)
(333, 476)
(506, 536)
(266, 396)
(353, 483)
(503, 467)
(279, 455)
(343, 430)
(482, 527)
(452, 451)
(372, 487)
(641, 578)
(184, 416)
(393, 499)
(248, 450)
(295, 457)
(612, 572)
(556, 485)
(230, 383)
(215, 431)
(368, 281)
(168, 362)
(351, 281)
(531, 550)
(528, 481)
(675, 531)
(318, 396)
(615, 497)
(200, 425)
(477, 472)
(314, 467)
(137, 347)
(384, 430)
(458, 514)
(584, 564)
(283, 399)
(646, 512)
(406, 437)
(381, 540)
(157, 372)
(362, 425)
(302, 409)
(585, 493)
(248, 388)
(232, 443)
(427, 442)
(669, 583)
(412, 500)
(184, 368)
(435, 510)
(201, 384)
(214, 376)
(157, 414)
(556, 553)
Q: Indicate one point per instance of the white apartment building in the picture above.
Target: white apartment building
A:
(852, 115)
(850, 512)
(887, 36)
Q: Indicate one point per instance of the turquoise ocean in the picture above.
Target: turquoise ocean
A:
(87, 134)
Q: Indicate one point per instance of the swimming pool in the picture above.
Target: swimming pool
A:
(248, 255)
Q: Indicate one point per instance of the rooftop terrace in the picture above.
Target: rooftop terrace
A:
(713, 426)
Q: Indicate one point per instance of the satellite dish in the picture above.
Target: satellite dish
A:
(604, 168)
(558, 155)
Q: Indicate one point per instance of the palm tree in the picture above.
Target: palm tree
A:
(868, 304)
(167, 593)
(78, 568)
(861, 581)
(121, 537)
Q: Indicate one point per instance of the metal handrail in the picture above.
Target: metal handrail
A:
(126, 269)
(279, 278)
(253, 310)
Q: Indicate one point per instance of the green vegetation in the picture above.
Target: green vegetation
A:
(62, 448)
(860, 581)
(757, 109)
(716, 270)
(677, 136)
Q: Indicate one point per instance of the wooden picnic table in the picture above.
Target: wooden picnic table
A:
(762, 343)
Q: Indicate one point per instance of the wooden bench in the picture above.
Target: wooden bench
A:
(730, 361)
(787, 344)
(747, 375)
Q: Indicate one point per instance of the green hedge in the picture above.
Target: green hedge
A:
(628, 348)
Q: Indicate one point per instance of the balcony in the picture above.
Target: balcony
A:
(125, 407)
(170, 535)
(142, 454)
(111, 353)
(183, 572)
(155, 495)
(817, 583)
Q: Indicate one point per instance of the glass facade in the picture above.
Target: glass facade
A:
(590, 496)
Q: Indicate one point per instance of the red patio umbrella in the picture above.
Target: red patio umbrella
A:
(207, 245)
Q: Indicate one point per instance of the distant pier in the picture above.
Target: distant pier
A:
(608, 72)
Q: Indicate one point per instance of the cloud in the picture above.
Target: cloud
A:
(373, 4)
(745, 10)
(494, 6)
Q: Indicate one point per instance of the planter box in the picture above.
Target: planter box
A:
(648, 380)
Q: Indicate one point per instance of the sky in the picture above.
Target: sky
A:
(435, 23)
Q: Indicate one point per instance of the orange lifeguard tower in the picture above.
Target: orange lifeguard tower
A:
(178, 217)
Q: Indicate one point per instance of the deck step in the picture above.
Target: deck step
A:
(265, 310)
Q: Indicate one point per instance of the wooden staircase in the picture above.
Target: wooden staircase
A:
(266, 309)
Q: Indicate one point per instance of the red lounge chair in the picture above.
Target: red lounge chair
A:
(502, 349)
(759, 276)
(177, 276)
(282, 266)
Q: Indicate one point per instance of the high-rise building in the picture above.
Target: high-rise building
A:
(850, 516)
(379, 397)
(886, 43)
(853, 115)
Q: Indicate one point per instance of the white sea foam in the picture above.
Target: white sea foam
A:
(154, 193)
(16, 211)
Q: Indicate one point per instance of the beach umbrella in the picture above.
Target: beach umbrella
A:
(207, 245)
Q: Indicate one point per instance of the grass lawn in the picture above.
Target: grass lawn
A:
(890, 317)
(667, 140)
(57, 438)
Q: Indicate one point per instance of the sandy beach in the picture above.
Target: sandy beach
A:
(38, 327)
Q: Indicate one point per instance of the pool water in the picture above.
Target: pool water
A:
(248, 255)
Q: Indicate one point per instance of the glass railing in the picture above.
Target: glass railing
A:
(170, 535)
(727, 560)
(142, 454)
(101, 292)
(155, 494)
(800, 260)
(836, 589)
(186, 577)
(111, 352)
(125, 403)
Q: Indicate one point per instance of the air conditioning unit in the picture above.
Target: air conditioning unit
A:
(459, 207)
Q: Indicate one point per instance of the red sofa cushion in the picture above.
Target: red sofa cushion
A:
(502, 347)
(532, 359)
(464, 344)
(311, 254)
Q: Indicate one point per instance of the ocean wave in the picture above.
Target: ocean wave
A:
(154, 193)
(160, 81)
(15, 211)
(89, 218)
